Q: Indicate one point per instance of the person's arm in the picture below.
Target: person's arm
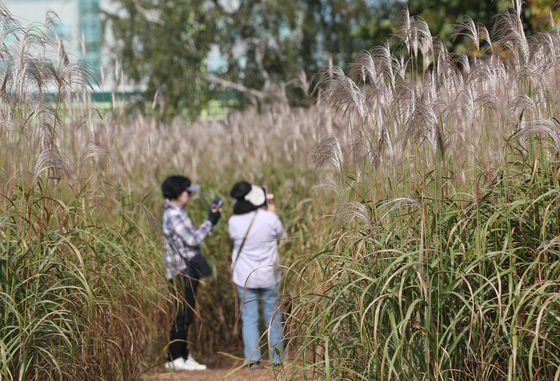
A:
(230, 230)
(279, 232)
(184, 228)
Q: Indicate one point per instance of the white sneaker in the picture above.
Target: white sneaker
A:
(177, 364)
(193, 364)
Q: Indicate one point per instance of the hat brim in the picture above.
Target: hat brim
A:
(193, 188)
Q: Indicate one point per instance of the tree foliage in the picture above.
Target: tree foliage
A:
(163, 46)
(263, 45)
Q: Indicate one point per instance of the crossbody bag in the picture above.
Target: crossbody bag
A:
(244, 240)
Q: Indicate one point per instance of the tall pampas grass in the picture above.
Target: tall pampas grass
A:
(439, 170)
(435, 266)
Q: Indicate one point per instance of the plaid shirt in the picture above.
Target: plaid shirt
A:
(181, 239)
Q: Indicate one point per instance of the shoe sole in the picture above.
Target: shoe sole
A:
(185, 370)
(195, 367)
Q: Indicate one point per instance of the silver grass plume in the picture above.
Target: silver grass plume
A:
(95, 152)
(50, 159)
(426, 42)
(328, 151)
(406, 33)
(539, 126)
(343, 94)
(397, 203)
(351, 211)
(327, 184)
(462, 59)
(484, 35)
(544, 49)
(384, 59)
(511, 39)
(468, 29)
(523, 103)
(486, 101)
(423, 123)
(363, 69)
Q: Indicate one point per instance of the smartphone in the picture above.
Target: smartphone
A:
(217, 204)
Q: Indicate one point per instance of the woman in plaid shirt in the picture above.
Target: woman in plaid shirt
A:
(184, 264)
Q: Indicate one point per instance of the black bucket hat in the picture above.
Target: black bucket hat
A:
(173, 186)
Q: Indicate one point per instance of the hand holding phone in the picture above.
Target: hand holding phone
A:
(214, 213)
(216, 204)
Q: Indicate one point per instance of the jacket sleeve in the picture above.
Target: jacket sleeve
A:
(185, 229)
(279, 232)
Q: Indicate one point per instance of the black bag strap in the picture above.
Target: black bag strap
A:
(245, 239)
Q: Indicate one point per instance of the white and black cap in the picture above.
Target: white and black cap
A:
(256, 196)
(248, 197)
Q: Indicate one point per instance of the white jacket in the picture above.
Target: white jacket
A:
(258, 265)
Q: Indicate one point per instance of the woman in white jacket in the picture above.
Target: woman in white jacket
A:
(256, 232)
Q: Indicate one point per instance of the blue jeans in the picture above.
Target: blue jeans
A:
(249, 298)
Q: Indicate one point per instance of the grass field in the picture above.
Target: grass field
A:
(420, 192)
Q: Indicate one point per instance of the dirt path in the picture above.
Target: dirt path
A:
(217, 375)
(220, 369)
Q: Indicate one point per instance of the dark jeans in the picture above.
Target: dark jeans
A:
(184, 289)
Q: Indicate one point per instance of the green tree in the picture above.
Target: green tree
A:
(443, 15)
(329, 28)
(281, 39)
(163, 46)
(264, 45)
(258, 44)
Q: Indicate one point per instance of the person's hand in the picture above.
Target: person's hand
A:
(214, 216)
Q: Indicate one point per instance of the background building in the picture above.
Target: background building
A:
(80, 27)
(89, 25)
